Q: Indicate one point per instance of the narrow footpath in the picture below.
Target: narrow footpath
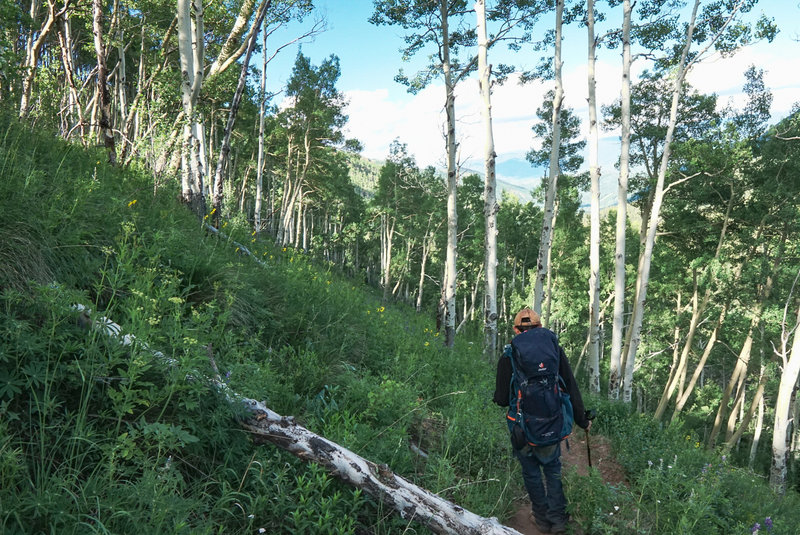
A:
(576, 456)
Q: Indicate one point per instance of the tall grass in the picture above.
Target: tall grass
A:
(99, 437)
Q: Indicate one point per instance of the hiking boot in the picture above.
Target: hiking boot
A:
(542, 525)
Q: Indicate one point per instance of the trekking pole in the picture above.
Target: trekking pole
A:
(590, 414)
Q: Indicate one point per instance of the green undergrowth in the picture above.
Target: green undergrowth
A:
(99, 436)
(102, 436)
(674, 485)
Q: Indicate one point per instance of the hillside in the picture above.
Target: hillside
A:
(99, 436)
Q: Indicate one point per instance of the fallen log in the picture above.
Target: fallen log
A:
(409, 500)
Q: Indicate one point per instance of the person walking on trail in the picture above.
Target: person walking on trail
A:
(541, 465)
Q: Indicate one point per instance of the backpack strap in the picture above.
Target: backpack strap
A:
(514, 392)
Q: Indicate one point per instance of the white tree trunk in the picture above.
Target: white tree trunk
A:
(190, 47)
(102, 82)
(387, 237)
(489, 191)
(452, 185)
(783, 420)
(75, 112)
(262, 110)
(757, 433)
(643, 277)
(411, 501)
(594, 240)
(427, 240)
(543, 263)
(615, 371)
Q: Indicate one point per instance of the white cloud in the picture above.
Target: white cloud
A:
(418, 120)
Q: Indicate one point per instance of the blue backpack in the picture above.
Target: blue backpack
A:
(540, 410)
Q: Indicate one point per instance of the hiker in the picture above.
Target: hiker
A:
(548, 502)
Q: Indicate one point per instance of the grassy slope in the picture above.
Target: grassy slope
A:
(96, 434)
(97, 437)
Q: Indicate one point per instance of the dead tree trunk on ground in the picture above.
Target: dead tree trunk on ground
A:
(411, 501)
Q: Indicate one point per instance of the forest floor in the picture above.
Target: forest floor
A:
(576, 456)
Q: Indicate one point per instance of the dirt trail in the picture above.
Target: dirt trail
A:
(576, 456)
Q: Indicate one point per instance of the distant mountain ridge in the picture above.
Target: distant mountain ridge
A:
(514, 175)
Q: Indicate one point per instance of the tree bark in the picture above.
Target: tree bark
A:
(190, 46)
(543, 261)
(427, 240)
(234, 46)
(740, 370)
(411, 501)
(143, 90)
(106, 130)
(489, 191)
(782, 424)
(594, 241)
(452, 185)
(387, 235)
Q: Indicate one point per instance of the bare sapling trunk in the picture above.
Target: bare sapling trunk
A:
(387, 236)
(594, 240)
(74, 112)
(33, 49)
(489, 191)
(234, 110)
(698, 312)
(740, 370)
(427, 245)
(262, 110)
(543, 262)
(755, 403)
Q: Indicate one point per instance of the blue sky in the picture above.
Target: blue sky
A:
(381, 110)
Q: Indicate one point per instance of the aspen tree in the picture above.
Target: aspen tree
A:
(106, 130)
(615, 372)
(545, 243)
(489, 193)
(190, 47)
(781, 430)
(262, 111)
(594, 240)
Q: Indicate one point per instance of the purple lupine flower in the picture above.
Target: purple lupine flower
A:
(768, 523)
(755, 528)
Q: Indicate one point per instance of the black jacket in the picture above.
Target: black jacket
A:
(503, 385)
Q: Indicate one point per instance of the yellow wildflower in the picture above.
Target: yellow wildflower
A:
(131, 203)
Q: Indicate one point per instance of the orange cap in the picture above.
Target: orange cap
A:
(527, 318)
